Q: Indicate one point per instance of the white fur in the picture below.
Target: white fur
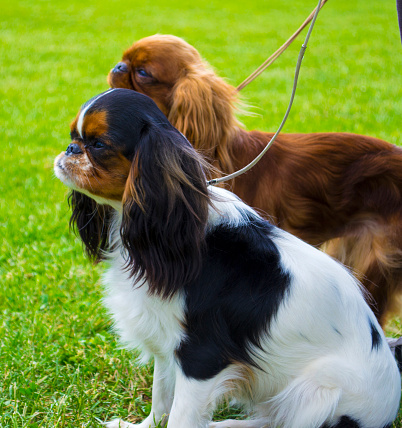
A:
(227, 208)
(148, 324)
(316, 363)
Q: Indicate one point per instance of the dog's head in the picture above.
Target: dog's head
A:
(194, 99)
(153, 66)
(125, 154)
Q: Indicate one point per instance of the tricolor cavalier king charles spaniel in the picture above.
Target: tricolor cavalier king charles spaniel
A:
(337, 189)
(225, 302)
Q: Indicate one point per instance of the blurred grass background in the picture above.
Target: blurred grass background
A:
(60, 365)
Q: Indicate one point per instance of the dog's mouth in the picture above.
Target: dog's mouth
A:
(64, 172)
(59, 167)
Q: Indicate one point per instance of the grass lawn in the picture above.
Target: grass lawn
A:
(60, 364)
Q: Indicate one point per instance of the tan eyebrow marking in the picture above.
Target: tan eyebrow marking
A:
(85, 109)
(95, 123)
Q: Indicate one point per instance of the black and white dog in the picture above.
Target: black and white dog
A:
(225, 303)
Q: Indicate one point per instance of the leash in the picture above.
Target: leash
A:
(280, 51)
(215, 181)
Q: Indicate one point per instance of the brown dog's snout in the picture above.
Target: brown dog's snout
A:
(120, 67)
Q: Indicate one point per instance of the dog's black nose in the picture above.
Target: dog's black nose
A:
(73, 149)
(120, 67)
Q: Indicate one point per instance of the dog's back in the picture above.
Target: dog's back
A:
(321, 353)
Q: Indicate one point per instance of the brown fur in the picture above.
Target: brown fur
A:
(95, 124)
(340, 189)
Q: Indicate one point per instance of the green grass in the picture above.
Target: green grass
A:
(60, 365)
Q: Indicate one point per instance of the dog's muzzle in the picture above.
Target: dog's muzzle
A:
(120, 67)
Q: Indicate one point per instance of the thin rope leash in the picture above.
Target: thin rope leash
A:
(215, 181)
(278, 52)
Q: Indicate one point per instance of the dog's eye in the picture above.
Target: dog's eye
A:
(141, 72)
(99, 145)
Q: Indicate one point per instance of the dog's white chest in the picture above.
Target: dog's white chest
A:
(143, 322)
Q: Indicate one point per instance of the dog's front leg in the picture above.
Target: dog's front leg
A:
(162, 397)
(193, 402)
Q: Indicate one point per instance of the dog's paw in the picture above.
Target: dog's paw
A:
(118, 423)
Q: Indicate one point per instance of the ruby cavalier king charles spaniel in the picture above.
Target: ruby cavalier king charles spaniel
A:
(339, 191)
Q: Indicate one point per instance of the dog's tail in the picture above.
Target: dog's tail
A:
(317, 397)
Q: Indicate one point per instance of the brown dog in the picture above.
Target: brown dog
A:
(337, 189)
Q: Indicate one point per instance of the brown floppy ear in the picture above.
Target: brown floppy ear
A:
(203, 110)
(91, 222)
(165, 210)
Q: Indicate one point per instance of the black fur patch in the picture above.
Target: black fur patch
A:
(91, 222)
(344, 422)
(231, 304)
(375, 337)
(398, 356)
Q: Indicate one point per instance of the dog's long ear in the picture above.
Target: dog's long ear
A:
(91, 222)
(165, 210)
(203, 110)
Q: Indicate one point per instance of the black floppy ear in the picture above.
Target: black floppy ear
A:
(91, 222)
(165, 211)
